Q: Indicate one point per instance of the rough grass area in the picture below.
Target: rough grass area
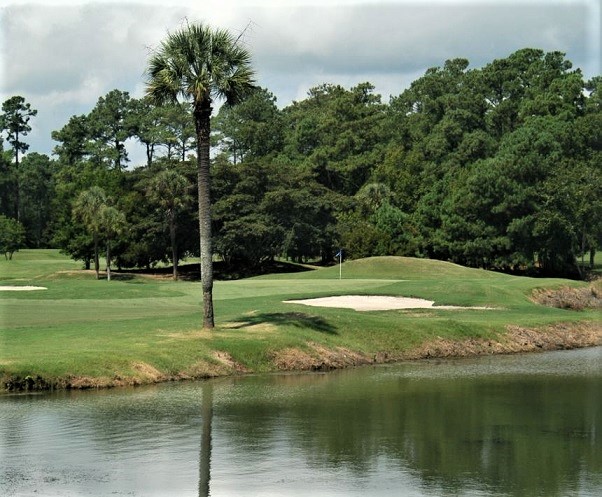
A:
(84, 333)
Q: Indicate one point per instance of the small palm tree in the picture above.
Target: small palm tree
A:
(86, 209)
(112, 223)
(169, 191)
(198, 64)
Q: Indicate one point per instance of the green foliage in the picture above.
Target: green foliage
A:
(268, 208)
(14, 121)
(36, 176)
(167, 128)
(73, 138)
(251, 129)
(12, 236)
(337, 134)
(109, 127)
(497, 167)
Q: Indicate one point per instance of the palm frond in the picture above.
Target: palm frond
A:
(197, 63)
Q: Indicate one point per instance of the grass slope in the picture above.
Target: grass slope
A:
(140, 329)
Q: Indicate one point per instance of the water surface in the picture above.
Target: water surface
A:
(527, 425)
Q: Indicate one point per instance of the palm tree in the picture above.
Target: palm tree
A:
(86, 208)
(199, 64)
(112, 222)
(169, 190)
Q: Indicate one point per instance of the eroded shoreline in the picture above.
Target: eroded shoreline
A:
(316, 357)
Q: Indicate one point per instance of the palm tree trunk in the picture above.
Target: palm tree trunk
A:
(202, 118)
(205, 457)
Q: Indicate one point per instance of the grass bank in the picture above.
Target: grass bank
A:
(80, 332)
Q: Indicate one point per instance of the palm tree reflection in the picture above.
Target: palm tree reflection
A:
(205, 459)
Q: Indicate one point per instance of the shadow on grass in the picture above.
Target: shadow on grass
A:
(221, 270)
(297, 319)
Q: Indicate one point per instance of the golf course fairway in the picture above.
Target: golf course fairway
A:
(74, 331)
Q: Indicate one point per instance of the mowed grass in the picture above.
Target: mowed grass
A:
(81, 327)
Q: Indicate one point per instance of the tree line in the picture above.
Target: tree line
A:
(497, 167)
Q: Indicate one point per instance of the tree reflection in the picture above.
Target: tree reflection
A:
(205, 458)
(510, 435)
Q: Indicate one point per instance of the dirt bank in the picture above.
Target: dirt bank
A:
(516, 340)
(316, 357)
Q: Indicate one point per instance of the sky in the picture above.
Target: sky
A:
(62, 55)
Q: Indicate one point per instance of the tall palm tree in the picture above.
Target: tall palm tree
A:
(199, 64)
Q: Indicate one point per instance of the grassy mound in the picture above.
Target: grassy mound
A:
(86, 333)
(393, 268)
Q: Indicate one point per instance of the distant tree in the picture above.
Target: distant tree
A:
(36, 176)
(14, 121)
(87, 209)
(73, 140)
(252, 129)
(110, 126)
(245, 233)
(337, 134)
(169, 190)
(7, 173)
(199, 64)
(12, 236)
(180, 133)
(111, 222)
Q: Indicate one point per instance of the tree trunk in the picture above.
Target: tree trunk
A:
(17, 185)
(202, 118)
(96, 261)
(108, 260)
(150, 150)
(174, 247)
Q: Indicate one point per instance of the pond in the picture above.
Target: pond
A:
(525, 425)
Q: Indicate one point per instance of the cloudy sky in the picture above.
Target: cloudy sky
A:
(62, 55)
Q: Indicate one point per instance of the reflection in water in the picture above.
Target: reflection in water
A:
(205, 458)
(509, 426)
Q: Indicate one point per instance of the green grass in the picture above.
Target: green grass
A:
(83, 327)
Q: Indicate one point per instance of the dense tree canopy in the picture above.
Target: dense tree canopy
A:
(497, 167)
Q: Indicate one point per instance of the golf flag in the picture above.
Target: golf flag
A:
(340, 256)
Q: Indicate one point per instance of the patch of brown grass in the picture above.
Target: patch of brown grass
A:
(148, 373)
(188, 335)
(226, 359)
(317, 358)
(517, 339)
(250, 328)
(575, 299)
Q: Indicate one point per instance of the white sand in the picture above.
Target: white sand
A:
(375, 303)
(21, 288)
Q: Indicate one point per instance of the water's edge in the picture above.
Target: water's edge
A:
(562, 336)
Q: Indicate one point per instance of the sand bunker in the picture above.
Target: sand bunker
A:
(375, 303)
(21, 288)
